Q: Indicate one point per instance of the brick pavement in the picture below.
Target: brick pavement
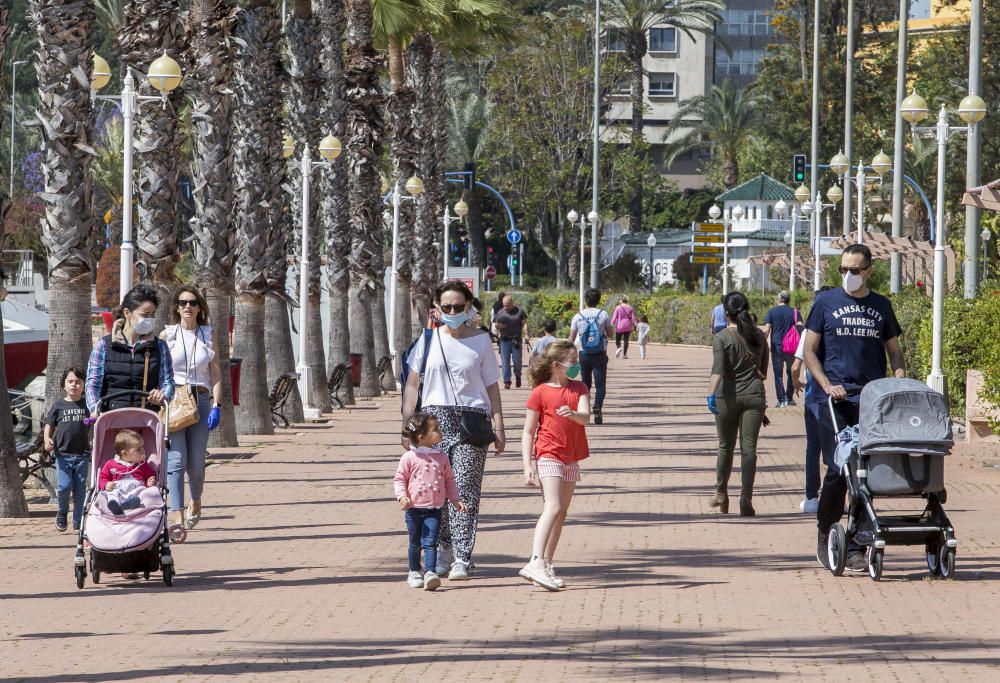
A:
(297, 570)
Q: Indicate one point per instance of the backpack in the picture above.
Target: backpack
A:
(790, 344)
(593, 335)
(404, 372)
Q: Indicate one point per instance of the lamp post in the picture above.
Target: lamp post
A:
(840, 165)
(652, 244)
(414, 188)
(573, 217)
(593, 217)
(13, 119)
(164, 75)
(985, 235)
(329, 149)
(972, 110)
(714, 213)
(595, 170)
(782, 208)
(461, 208)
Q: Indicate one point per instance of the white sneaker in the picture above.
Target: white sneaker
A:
(431, 581)
(560, 584)
(809, 505)
(415, 580)
(618, 353)
(536, 573)
(444, 560)
(459, 572)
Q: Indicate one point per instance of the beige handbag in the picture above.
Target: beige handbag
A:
(183, 407)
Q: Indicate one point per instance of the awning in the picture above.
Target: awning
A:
(984, 197)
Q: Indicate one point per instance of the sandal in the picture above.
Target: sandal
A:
(192, 519)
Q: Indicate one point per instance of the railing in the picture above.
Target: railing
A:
(19, 266)
(612, 253)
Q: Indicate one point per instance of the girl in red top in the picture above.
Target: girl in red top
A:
(558, 409)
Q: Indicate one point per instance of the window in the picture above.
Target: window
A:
(663, 40)
(740, 63)
(663, 85)
(622, 85)
(616, 40)
(745, 22)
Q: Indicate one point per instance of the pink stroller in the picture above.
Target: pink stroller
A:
(138, 541)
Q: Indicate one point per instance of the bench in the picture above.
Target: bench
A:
(336, 381)
(382, 369)
(279, 397)
(33, 460)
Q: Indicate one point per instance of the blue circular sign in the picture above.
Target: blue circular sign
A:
(513, 236)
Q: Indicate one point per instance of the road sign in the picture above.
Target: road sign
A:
(709, 237)
(491, 273)
(700, 249)
(469, 276)
(513, 236)
(711, 227)
(707, 259)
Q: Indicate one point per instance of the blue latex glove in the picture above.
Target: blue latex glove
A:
(710, 400)
(213, 418)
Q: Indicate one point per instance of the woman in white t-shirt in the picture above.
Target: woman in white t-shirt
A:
(461, 372)
(196, 369)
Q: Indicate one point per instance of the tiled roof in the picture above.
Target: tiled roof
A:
(664, 238)
(761, 188)
(772, 236)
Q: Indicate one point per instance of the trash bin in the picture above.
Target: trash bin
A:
(235, 364)
(356, 359)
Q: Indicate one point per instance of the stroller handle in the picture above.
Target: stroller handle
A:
(107, 398)
(852, 390)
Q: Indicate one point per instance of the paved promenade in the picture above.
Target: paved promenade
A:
(297, 571)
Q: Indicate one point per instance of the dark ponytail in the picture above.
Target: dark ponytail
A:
(738, 310)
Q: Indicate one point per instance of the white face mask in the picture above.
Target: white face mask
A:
(852, 282)
(143, 326)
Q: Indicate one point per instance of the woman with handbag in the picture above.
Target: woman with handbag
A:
(737, 398)
(458, 386)
(194, 411)
(624, 321)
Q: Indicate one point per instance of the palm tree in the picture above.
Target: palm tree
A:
(631, 20)
(150, 28)
(470, 120)
(257, 173)
(723, 120)
(12, 501)
(333, 205)
(64, 109)
(209, 67)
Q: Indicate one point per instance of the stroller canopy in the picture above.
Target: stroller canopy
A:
(904, 416)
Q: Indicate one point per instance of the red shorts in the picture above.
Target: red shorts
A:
(550, 467)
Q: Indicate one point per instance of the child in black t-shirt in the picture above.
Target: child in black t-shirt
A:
(68, 437)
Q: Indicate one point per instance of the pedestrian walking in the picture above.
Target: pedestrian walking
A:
(459, 388)
(131, 358)
(737, 398)
(196, 370)
(549, 328)
(643, 331)
(424, 481)
(512, 326)
(718, 318)
(850, 331)
(592, 326)
(554, 431)
(624, 321)
(782, 325)
(67, 437)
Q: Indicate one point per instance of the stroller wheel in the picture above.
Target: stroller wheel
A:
(145, 575)
(875, 559)
(836, 548)
(95, 576)
(81, 576)
(947, 558)
(168, 574)
(932, 550)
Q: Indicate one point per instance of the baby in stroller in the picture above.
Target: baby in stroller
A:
(123, 478)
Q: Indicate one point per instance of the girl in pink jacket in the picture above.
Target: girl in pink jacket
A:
(423, 482)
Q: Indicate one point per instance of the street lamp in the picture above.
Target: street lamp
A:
(13, 120)
(840, 165)
(573, 217)
(714, 213)
(461, 209)
(972, 110)
(652, 244)
(781, 208)
(414, 188)
(329, 149)
(985, 235)
(164, 75)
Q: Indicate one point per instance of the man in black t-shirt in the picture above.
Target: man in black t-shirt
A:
(849, 332)
(512, 324)
(777, 322)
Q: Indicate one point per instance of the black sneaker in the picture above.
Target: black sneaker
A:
(517, 383)
(60, 522)
(856, 562)
(791, 403)
(822, 555)
(598, 417)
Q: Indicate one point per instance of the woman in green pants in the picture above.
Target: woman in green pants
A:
(737, 398)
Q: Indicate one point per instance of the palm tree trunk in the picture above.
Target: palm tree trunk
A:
(333, 206)
(364, 147)
(149, 29)
(635, 54)
(420, 63)
(258, 200)
(209, 67)
(438, 185)
(280, 356)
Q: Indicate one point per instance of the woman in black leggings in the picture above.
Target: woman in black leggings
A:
(624, 322)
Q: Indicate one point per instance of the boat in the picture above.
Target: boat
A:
(25, 341)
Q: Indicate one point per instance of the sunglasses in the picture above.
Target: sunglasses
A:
(853, 271)
(451, 308)
(184, 303)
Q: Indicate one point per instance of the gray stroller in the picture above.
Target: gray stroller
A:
(896, 451)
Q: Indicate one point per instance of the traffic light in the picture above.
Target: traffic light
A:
(799, 168)
(513, 262)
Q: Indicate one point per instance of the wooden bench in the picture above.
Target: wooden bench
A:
(279, 397)
(383, 368)
(33, 460)
(336, 382)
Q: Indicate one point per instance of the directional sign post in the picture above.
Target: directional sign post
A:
(513, 236)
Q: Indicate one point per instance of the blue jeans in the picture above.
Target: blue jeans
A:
(510, 349)
(189, 446)
(812, 451)
(71, 476)
(831, 500)
(594, 371)
(781, 363)
(423, 525)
